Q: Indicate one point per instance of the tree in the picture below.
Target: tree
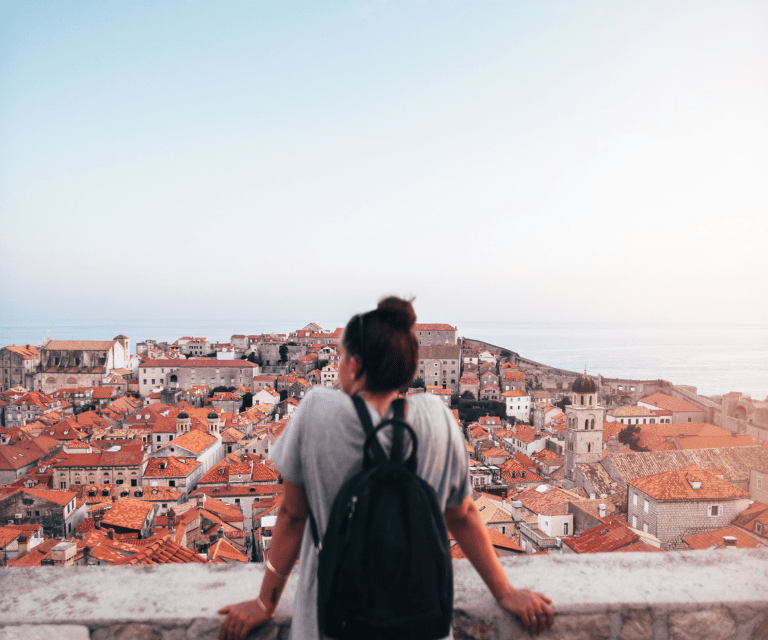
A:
(563, 403)
(467, 395)
(418, 383)
(283, 353)
(472, 410)
(630, 436)
(247, 401)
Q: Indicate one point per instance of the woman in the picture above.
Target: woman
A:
(322, 447)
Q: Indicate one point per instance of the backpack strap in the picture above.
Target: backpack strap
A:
(398, 410)
(365, 419)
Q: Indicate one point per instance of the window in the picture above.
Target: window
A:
(759, 482)
(634, 499)
(645, 506)
(62, 485)
(645, 527)
(171, 483)
(634, 522)
(713, 510)
(565, 528)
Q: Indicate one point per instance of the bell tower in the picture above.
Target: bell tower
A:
(583, 426)
(213, 424)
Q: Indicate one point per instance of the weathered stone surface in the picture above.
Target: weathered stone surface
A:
(580, 627)
(713, 624)
(204, 629)
(45, 632)
(761, 630)
(467, 627)
(638, 625)
(135, 632)
(175, 633)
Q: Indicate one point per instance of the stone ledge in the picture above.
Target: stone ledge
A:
(719, 594)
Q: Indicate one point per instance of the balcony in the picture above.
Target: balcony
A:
(701, 595)
(531, 531)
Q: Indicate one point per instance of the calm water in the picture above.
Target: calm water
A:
(714, 358)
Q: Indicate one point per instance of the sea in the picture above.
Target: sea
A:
(714, 358)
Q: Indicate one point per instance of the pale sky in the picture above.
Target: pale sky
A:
(501, 161)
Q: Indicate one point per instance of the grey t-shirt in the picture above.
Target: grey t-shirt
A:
(321, 448)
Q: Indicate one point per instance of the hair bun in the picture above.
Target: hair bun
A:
(396, 312)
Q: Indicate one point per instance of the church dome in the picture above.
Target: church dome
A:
(182, 416)
(584, 384)
(213, 415)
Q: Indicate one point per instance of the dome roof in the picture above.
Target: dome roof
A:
(584, 384)
(213, 415)
(182, 416)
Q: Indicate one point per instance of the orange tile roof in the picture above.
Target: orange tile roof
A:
(714, 538)
(715, 442)
(202, 363)
(663, 401)
(194, 441)
(176, 467)
(433, 327)
(79, 345)
(61, 498)
(163, 550)
(127, 513)
(605, 537)
(499, 540)
(675, 485)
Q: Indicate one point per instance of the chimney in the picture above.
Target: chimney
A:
(200, 498)
(601, 510)
(729, 541)
(23, 544)
(111, 534)
(171, 518)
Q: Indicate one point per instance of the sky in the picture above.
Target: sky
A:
(573, 161)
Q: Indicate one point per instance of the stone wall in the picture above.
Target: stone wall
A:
(698, 595)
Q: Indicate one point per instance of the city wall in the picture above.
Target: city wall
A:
(701, 595)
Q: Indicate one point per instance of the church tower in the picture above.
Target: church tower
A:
(183, 423)
(583, 426)
(213, 424)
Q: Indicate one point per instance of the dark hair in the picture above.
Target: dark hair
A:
(384, 342)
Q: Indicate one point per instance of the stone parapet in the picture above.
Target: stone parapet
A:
(697, 595)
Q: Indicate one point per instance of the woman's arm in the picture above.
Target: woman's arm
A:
(283, 553)
(467, 528)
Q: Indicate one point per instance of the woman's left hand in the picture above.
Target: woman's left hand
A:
(241, 619)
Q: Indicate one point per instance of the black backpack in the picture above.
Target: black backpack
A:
(384, 562)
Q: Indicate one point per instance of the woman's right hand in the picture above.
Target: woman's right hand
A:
(241, 619)
(534, 609)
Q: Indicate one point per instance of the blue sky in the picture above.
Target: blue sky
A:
(573, 161)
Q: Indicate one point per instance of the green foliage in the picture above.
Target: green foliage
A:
(219, 389)
(563, 403)
(418, 383)
(283, 353)
(247, 401)
(473, 410)
(630, 436)
(467, 395)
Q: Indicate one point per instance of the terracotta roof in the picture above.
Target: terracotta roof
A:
(8, 535)
(127, 514)
(224, 551)
(62, 498)
(663, 401)
(735, 462)
(163, 550)
(79, 345)
(515, 393)
(712, 442)
(193, 441)
(714, 538)
(500, 541)
(433, 327)
(553, 502)
(605, 537)
(635, 412)
(200, 363)
(28, 352)
(20, 454)
(679, 485)
(175, 467)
